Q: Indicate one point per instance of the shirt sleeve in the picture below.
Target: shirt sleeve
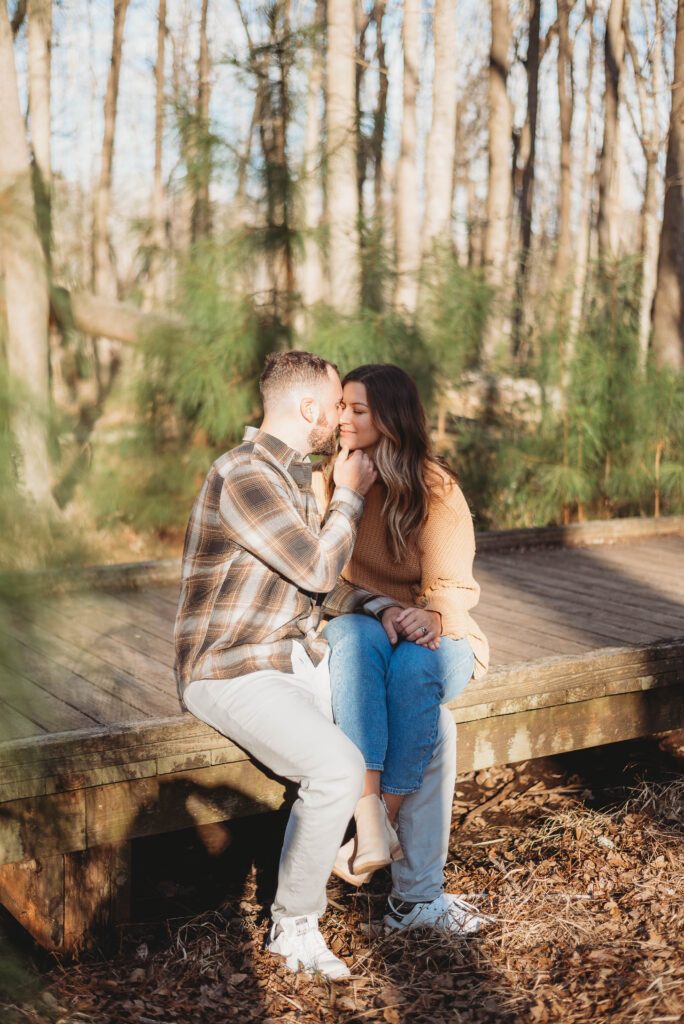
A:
(448, 550)
(345, 598)
(259, 514)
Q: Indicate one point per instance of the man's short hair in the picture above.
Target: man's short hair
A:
(285, 370)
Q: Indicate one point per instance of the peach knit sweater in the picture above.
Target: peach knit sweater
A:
(438, 576)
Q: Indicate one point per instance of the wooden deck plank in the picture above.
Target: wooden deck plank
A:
(150, 671)
(150, 618)
(539, 622)
(39, 705)
(110, 649)
(15, 726)
(591, 574)
(601, 595)
(618, 627)
(100, 674)
(72, 688)
(94, 613)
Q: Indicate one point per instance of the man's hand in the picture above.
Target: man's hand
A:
(388, 618)
(419, 626)
(354, 470)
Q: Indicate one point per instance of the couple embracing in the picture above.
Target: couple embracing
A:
(323, 621)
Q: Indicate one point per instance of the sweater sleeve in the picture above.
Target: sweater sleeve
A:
(448, 549)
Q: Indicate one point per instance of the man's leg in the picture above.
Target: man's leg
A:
(424, 826)
(424, 822)
(278, 722)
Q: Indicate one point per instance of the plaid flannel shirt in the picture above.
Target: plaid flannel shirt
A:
(258, 568)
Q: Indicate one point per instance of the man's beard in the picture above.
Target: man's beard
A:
(321, 440)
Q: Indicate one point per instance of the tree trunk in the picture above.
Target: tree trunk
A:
(26, 286)
(407, 221)
(668, 306)
(201, 212)
(105, 279)
(380, 112)
(103, 269)
(274, 119)
(362, 22)
(155, 285)
(584, 225)
(496, 239)
(342, 195)
(441, 142)
(648, 133)
(609, 179)
(566, 104)
(39, 50)
(95, 315)
(18, 17)
(527, 191)
(311, 273)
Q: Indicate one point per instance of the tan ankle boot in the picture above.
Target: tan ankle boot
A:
(343, 865)
(396, 852)
(372, 836)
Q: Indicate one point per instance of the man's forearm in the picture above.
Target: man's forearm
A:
(345, 599)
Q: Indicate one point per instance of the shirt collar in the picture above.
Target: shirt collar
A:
(298, 467)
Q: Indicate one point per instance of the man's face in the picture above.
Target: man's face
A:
(321, 439)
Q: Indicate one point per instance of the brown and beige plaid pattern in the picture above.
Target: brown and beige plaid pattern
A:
(258, 566)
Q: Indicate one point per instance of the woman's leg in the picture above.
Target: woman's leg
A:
(418, 681)
(359, 659)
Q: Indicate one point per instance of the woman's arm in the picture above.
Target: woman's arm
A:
(448, 549)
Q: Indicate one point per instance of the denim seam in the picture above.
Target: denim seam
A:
(424, 763)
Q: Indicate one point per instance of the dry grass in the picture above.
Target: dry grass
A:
(589, 905)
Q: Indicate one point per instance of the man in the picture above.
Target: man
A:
(257, 566)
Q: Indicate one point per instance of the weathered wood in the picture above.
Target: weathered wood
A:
(67, 901)
(97, 891)
(42, 826)
(567, 623)
(33, 892)
(564, 727)
(174, 801)
(579, 534)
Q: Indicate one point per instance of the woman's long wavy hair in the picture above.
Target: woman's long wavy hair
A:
(403, 459)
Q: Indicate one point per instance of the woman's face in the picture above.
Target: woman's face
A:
(357, 429)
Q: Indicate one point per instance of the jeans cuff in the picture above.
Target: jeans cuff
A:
(414, 897)
(399, 792)
(371, 766)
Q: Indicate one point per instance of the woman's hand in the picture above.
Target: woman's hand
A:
(419, 626)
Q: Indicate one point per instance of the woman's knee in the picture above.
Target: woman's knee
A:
(357, 631)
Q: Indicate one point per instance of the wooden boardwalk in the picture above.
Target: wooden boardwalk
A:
(587, 647)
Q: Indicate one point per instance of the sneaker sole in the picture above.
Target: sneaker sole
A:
(310, 971)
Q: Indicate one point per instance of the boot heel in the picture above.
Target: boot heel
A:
(372, 838)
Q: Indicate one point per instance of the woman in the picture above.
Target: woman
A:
(416, 546)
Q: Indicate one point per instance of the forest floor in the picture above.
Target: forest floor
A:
(580, 858)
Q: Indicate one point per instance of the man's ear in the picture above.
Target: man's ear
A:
(308, 408)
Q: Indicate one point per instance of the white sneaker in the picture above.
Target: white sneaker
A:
(300, 942)
(446, 913)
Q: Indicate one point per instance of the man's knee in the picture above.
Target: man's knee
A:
(344, 769)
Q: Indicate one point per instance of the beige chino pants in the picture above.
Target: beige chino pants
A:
(284, 720)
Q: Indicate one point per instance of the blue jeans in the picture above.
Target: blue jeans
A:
(386, 699)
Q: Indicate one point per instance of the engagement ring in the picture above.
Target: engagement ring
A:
(424, 628)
